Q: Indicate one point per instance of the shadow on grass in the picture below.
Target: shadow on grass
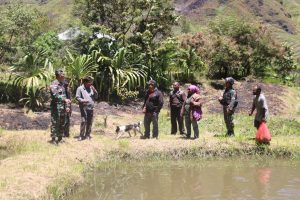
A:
(184, 137)
(220, 136)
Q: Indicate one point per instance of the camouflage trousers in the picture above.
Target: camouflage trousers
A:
(67, 125)
(58, 121)
(228, 118)
(191, 123)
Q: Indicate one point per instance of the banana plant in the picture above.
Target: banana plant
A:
(78, 67)
(117, 72)
(31, 76)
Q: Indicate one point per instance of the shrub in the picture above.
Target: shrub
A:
(9, 93)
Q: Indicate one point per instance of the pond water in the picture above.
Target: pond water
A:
(187, 180)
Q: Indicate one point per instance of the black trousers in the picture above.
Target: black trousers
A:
(148, 119)
(175, 118)
(86, 122)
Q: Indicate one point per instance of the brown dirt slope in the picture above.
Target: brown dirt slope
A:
(268, 11)
(274, 95)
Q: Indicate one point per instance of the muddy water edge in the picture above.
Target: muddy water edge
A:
(194, 179)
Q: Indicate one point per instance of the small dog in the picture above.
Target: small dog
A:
(120, 131)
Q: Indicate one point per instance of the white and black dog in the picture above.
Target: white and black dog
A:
(121, 130)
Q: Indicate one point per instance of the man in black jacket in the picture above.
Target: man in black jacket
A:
(152, 105)
(177, 97)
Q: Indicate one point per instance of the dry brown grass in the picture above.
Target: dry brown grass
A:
(38, 164)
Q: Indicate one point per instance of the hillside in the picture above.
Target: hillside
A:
(282, 16)
(59, 12)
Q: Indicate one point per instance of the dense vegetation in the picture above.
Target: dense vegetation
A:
(123, 43)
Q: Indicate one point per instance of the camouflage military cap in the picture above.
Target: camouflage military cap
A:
(229, 80)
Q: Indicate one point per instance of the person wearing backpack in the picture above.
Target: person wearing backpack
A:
(177, 97)
(229, 103)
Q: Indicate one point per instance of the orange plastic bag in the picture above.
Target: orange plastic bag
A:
(263, 134)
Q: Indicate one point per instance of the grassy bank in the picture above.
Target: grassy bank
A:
(35, 169)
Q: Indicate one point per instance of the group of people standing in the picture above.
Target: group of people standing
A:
(184, 108)
(60, 107)
(187, 108)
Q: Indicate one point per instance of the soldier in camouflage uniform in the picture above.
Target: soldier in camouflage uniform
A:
(68, 114)
(60, 105)
(229, 103)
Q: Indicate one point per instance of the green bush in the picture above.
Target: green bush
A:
(9, 93)
(236, 48)
(50, 44)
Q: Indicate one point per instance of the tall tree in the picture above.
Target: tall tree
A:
(125, 18)
(19, 26)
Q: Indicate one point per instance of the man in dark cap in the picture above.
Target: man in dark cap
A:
(152, 106)
(86, 94)
(60, 105)
(229, 103)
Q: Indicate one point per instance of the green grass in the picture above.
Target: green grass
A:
(1, 131)
(124, 144)
(214, 124)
